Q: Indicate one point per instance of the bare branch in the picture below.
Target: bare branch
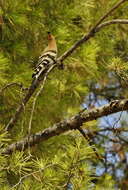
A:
(115, 21)
(9, 85)
(91, 144)
(90, 34)
(35, 98)
(72, 123)
(109, 12)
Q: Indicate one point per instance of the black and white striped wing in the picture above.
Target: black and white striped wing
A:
(46, 59)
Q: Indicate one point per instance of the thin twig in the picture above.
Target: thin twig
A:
(90, 143)
(35, 98)
(25, 176)
(34, 103)
(115, 123)
(70, 173)
(9, 85)
(115, 21)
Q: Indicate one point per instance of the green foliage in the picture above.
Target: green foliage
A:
(4, 67)
(106, 183)
(23, 37)
(19, 164)
(69, 160)
(120, 67)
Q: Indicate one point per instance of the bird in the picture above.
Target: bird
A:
(47, 58)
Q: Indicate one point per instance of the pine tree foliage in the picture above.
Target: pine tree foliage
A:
(68, 161)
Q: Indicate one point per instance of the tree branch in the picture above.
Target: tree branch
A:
(28, 95)
(91, 144)
(109, 12)
(85, 38)
(35, 98)
(72, 123)
(91, 33)
(11, 84)
(115, 21)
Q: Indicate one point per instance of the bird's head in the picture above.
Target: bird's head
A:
(50, 36)
(51, 42)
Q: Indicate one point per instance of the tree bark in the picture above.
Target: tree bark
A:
(72, 123)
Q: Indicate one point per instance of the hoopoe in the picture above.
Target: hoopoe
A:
(47, 58)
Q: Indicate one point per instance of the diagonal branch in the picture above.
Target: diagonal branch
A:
(28, 95)
(109, 13)
(72, 123)
(85, 38)
(91, 33)
(91, 144)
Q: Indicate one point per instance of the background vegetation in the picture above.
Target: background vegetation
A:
(93, 75)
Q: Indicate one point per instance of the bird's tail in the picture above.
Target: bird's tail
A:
(37, 74)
